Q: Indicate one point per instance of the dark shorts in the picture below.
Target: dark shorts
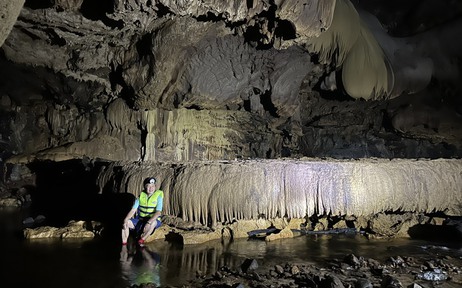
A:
(139, 224)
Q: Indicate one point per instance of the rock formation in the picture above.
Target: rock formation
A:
(171, 85)
(222, 192)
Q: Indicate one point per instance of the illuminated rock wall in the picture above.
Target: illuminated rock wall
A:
(219, 192)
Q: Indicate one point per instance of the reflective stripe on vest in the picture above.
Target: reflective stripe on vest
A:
(148, 204)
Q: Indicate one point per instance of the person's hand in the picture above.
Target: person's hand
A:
(151, 221)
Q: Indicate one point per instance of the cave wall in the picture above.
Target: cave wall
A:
(215, 192)
(167, 81)
(8, 15)
(165, 84)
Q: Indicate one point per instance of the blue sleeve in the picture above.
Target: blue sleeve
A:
(136, 204)
(160, 203)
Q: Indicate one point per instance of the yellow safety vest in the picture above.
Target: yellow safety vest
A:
(148, 204)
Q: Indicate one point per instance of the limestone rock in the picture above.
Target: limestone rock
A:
(42, 232)
(321, 225)
(9, 11)
(308, 20)
(75, 229)
(393, 225)
(10, 202)
(340, 224)
(159, 233)
(284, 233)
(198, 237)
(296, 223)
(244, 190)
(240, 228)
(77, 234)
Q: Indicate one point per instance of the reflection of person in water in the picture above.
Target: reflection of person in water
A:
(140, 266)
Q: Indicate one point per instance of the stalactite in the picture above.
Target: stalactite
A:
(118, 114)
(336, 42)
(350, 45)
(222, 192)
(188, 134)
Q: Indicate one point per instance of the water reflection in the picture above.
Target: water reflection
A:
(140, 265)
(102, 263)
(182, 263)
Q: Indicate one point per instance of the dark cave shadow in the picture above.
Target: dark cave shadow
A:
(67, 191)
(436, 233)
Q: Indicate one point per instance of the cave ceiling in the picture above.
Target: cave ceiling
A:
(171, 80)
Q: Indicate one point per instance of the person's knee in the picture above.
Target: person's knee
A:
(131, 225)
(158, 224)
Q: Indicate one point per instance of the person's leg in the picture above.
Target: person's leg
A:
(149, 229)
(126, 231)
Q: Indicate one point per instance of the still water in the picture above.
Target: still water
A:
(104, 263)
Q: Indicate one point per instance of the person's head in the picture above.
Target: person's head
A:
(149, 184)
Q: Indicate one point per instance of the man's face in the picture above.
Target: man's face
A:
(150, 188)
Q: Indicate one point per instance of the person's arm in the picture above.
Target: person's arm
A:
(160, 202)
(132, 212)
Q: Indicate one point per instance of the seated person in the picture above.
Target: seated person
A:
(148, 208)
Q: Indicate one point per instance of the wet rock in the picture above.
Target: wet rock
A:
(240, 229)
(30, 221)
(392, 225)
(329, 276)
(363, 283)
(435, 275)
(23, 194)
(294, 270)
(20, 172)
(10, 202)
(77, 234)
(41, 232)
(429, 264)
(397, 261)
(352, 260)
(390, 282)
(160, 233)
(331, 281)
(273, 273)
(284, 233)
(218, 275)
(249, 265)
(279, 269)
(196, 237)
(414, 285)
(75, 229)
